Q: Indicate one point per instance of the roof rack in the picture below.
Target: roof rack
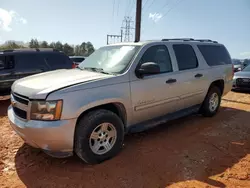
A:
(30, 49)
(183, 39)
(190, 39)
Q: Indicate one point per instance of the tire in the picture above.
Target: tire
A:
(94, 122)
(206, 108)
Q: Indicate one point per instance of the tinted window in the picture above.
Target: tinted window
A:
(56, 61)
(215, 55)
(29, 61)
(2, 62)
(185, 56)
(158, 54)
(77, 59)
(9, 62)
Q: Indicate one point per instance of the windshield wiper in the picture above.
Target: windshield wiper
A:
(100, 70)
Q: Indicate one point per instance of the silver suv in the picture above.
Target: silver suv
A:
(121, 88)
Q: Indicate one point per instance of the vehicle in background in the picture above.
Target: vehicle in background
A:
(241, 80)
(246, 62)
(120, 88)
(77, 60)
(16, 64)
(238, 65)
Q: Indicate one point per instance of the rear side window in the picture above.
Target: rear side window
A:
(58, 61)
(215, 55)
(185, 56)
(77, 59)
(29, 61)
(7, 62)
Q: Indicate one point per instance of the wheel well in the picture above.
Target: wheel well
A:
(219, 84)
(116, 108)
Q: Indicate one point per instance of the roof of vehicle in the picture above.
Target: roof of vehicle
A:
(29, 50)
(173, 40)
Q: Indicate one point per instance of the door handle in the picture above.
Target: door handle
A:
(169, 81)
(198, 75)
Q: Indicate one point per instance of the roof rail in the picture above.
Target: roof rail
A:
(206, 40)
(30, 49)
(183, 39)
(190, 39)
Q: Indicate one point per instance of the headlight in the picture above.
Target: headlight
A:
(46, 110)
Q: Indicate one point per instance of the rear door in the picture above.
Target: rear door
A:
(191, 76)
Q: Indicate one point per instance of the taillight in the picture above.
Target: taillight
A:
(73, 65)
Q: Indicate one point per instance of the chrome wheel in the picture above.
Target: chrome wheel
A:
(103, 138)
(213, 102)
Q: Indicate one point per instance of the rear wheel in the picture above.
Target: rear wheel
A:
(212, 102)
(99, 136)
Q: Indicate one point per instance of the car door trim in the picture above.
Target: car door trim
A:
(156, 103)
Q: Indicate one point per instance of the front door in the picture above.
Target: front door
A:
(155, 95)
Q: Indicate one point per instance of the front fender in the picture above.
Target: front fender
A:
(77, 102)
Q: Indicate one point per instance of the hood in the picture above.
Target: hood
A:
(39, 85)
(243, 74)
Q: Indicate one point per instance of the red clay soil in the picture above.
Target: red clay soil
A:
(190, 152)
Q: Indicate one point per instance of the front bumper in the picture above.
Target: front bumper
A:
(56, 138)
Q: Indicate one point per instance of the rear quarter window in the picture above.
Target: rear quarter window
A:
(215, 55)
(58, 61)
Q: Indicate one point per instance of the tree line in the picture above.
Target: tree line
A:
(83, 49)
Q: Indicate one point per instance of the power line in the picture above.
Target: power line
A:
(165, 5)
(113, 12)
(144, 4)
(118, 6)
(133, 3)
(128, 6)
(150, 5)
(174, 6)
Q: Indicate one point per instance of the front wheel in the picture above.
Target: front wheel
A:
(212, 102)
(98, 136)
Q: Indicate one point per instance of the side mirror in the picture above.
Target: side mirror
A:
(148, 68)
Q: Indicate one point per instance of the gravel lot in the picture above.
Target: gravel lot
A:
(190, 152)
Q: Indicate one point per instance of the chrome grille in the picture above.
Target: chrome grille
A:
(20, 105)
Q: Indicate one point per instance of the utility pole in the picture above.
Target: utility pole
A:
(116, 38)
(127, 28)
(138, 20)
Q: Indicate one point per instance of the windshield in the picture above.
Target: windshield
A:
(247, 68)
(111, 59)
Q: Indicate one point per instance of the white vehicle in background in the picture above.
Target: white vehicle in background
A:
(77, 60)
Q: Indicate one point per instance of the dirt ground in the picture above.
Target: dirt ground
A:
(190, 152)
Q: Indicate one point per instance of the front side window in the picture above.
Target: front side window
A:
(158, 54)
(110, 59)
(185, 56)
